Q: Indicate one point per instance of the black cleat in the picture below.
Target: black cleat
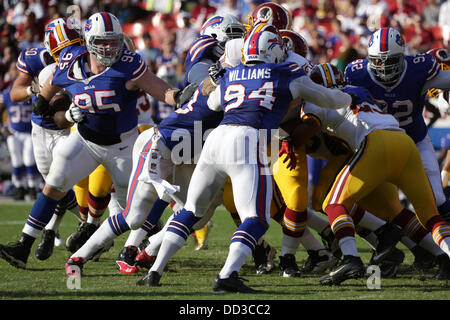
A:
(151, 279)
(288, 266)
(232, 284)
(329, 241)
(19, 194)
(77, 239)
(126, 261)
(263, 256)
(351, 268)
(319, 261)
(423, 260)
(443, 273)
(388, 235)
(16, 254)
(45, 249)
(389, 266)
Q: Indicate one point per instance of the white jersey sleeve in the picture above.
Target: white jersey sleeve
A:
(310, 91)
(233, 51)
(214, 100)
(46, 73)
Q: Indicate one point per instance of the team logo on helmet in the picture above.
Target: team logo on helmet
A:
(88, 25)
(264, 14)
(213, 22)
(399, 39)
(371, 41)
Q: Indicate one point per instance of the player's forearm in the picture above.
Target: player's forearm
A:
(19, 92)
(440, 81)
(319, 95)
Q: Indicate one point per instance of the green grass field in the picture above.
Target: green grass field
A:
(190, 273)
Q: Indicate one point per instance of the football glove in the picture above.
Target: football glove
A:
(288, 149)
(42, 107)
(74, 114)
(33, 89)
(215, 72)
(183, 96)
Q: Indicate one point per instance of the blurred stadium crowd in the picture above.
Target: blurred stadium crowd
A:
(163, 30)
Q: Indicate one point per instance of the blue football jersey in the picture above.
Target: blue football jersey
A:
(404, 100)
(191, 117)
(31, 61)
(202, 48)
(109, 108)
(19, 113)
(258, 96)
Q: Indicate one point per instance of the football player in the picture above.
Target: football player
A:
(398, 83)
(289, 179)
(103, 79)
(253, 96)
(18, 139)
(45, 131)
(377, 140)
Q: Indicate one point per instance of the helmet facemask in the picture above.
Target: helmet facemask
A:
(387, 68)
(107, 49)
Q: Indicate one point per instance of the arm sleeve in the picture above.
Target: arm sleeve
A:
(214, 102)
(319, 95)
(199, 71)
(440, 81)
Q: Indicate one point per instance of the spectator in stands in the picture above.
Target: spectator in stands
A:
(232, 7)
(431, 13)
(444, 22)
(186, 34)
(201, 12)
(168, 55)
(149, 52)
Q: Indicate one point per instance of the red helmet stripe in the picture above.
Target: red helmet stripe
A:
(107, 20)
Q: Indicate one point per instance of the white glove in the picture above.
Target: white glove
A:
(74, 114)
(444, 178)
(33, 89)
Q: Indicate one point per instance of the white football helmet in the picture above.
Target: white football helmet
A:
(264, 44)
(223, 28)
(386, 55)
(104, 37)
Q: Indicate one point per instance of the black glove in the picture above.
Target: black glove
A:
(183, 96)
(42, 107)
(215, 72)
(334, 146)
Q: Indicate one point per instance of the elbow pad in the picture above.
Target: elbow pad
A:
(42, 107)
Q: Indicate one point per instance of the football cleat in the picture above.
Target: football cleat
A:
(232, 284)
(143, 260)
(19, 194)
(126, 262)
(77, 239)
(443, 273)
(388, 235)
(329, 241)
(319, 261)
(423, 260)
(151, 279)
(45, 249)
(74, 267)
(288, 266)
(16, 254)
(263, 256)
(389, 266)
(351, 268)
